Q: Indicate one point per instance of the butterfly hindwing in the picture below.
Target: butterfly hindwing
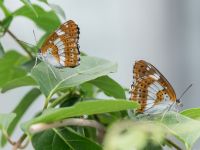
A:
(62, 46)
(151, 89)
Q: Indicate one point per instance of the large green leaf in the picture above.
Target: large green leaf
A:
(29, 5)
(22, 81)
(46, 20)
(62, 139)
(89, 69)
(5, 121)
(5, 23)
(2, 52)
(109, 87)
(79, 109)
(21, 109)
(56, 8)
(184, 128)
(193, 113)
(23, 106)
(10, 67)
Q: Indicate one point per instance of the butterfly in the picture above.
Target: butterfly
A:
(61, 48)
(151, 89)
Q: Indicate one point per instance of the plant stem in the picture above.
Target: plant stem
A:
(18, 41)
(70, 122)
(8, 138)
(18, 144)
(59, 100)
(46, 102)
(173, 144)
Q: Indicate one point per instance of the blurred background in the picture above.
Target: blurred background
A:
(165, 33)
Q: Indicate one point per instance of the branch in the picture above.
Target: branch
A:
(70, 122)
(18, 41)
(18, 144)
(8, 138)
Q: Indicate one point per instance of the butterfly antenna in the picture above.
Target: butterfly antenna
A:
(35, 38)
(185, 91)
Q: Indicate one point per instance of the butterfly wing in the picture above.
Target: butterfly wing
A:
(151, 89)
(61, 49)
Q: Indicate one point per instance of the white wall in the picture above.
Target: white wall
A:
(163, 32)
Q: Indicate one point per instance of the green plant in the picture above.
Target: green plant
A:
(72, 116)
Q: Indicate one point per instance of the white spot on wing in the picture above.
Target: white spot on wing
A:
(60, 32)
(62, 58)
(62, 63)
(61, 51)
(155, 76)
(56, 41)
(59, 43)
(61, 47)
(158, 86)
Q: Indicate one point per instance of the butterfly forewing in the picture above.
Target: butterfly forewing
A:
(150, 88)
(63, 46)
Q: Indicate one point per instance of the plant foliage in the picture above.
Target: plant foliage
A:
(75, 93)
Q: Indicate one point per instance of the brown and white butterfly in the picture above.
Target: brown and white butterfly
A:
(151, 89)
(61, 48)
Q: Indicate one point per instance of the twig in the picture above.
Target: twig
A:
(18, 144)
(18, 41)
(70, 122)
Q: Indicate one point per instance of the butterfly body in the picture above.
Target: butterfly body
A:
(151, 89)
(61, 49)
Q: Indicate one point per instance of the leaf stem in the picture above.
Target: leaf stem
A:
(59, 100)
(19, 42)
(46, 102)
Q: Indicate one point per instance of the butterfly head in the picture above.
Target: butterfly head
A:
(179, 103)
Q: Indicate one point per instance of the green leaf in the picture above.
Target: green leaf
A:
(4, 8)
(58, 10)
(21, 109)
(193, 113)
(4, 25)
(2, 52)
(184, 128)
(79, 109)
(130, 135)
(23, 106)
(5, 121)
(88, 90)
(62, 139)
(19, 82)
(44, 1)
(46, 20)
(29, 5)
(10, 67)
(109, 87)
(89, 69)
(42, 39)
